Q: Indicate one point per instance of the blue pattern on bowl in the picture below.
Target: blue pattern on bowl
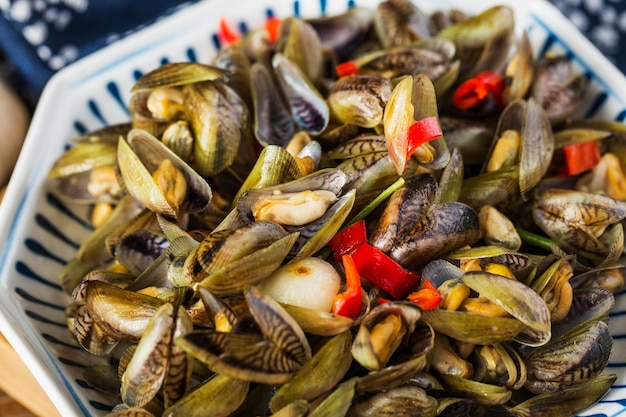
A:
(56, 229)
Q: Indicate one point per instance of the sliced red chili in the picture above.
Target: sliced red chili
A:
(384, 272)
(226, 34)
(348, 303)
(427, 297)
(477, 89)
(422, 131)
(272, 27)
(346, 68)
(581, 157)
(348, 239)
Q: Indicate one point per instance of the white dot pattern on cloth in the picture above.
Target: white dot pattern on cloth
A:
(603, 21)
(39, 18)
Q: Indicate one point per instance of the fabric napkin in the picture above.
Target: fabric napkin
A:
(39, 37)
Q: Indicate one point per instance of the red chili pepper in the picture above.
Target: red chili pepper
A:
(421, 132)
(384, 272)
(476, 90)
(226, 34)
(427, 297)
(346, 68)
(348, 239)
(348, 303)
(272, 27)
(581, 157)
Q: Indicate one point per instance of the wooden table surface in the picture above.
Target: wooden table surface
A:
(21, 394)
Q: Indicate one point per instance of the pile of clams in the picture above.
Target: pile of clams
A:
(209, 282)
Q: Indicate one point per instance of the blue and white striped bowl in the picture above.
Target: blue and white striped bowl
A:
(40, 233)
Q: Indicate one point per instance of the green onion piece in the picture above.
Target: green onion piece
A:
(377, 201)
(535, 240)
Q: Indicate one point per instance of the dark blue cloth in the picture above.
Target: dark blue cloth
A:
(39, 37)
(603, 22)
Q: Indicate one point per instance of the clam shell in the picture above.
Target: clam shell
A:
(473, 328)
(146, 370)
(139, 157)
(405, 400)
(225, 395)
(122, 314)
(177, 74)
(319, 375)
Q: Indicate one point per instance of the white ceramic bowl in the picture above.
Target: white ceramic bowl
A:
(40, 234)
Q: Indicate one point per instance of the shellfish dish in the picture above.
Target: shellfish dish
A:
(384, 211)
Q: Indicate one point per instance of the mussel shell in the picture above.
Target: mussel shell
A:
(373, 92)
(499, 189)
(315, 235)
(360, 145)
(122, 410)
(176, 74)
(406, 400)
(299, 42)
(473, 328)
(319, 323)
(338, 402)
(180, 366)
(89, 335)
(430, 57)
(122, 314)
(326, 368)
(273, 124)
(308, 107)
(270, 358)
(225, 395)
(404, 368)
(472, 137)
(139, 249)
(219, 249)
(441, 229)
(578, 355)
(243, 256)
(566, 401)
(537, 141)
(233, 59)
(406, 204)
(84, 156)
(367, 173)
(364, 348)
(298, 408)
(329, 179)
(137, 166)
(483, 41)
(575, 220)
(451, 180)
(522, 69)
(557, 88)
(342, 33)
(486, 394)
(274, 166)
(519, 300)
(218, 117)
(400, 23)
(146, 370)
